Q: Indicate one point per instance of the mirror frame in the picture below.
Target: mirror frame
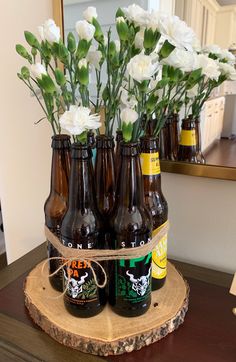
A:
(184, 168)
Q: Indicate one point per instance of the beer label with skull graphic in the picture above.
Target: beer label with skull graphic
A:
(133, 278)
(79, 282)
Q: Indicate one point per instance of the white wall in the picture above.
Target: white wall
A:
(202, 215)
(24, 148)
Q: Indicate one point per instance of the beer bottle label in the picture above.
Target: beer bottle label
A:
(133, 278)
(188, 138)
(150, 164)
(79, 279)
(159, 257)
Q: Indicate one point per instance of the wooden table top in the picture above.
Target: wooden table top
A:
(207, 335)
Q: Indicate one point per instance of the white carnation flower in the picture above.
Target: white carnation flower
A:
(90, 13)
(78, 120)
(222, 54)
(177, 32)
(210, 67)
(127, 101)
(134, 13)
(182, 59)
(154, 20)
(85, 30)
(142, 67)
(49, 31)
(94, 57)
(128, 115)
(227, 70)
(37, 70)
(228, 56)
(213, 48)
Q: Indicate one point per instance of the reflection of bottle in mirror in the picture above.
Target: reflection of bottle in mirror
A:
(187, 144)
(82, 228)
(164, 142)
(174, 136)
(131, 226)
(119, 139)
(157, 204)
(200, 157)
(56, 203)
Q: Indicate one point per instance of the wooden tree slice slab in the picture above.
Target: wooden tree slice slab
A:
(107, 333)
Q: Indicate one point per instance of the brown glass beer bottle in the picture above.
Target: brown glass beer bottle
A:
(105, 174)
(131, 226)
(157, 204)
(56, 203)
(187, 146)
(82, 229)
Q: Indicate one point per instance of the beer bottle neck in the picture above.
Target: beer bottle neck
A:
(131, 182)
(105, 173)
(60, 165)
(81, 190)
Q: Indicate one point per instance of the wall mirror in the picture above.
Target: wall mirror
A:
(218, 118)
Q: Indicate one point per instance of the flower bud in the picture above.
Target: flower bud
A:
(98, 35)
(23, 52)
(31, 39)
(122, 28)
(83, 72)
(90, 13)
(47, 84)
(25, 73)
(60, 78)
(71, 43)
(151, 38)
(37, 70)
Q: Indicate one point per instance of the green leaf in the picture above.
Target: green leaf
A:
(31, 39)
(166, 49)
(60, 77)
(71, 43)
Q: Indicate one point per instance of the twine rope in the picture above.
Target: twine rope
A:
(95, 255)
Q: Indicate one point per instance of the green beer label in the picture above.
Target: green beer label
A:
(133, 279)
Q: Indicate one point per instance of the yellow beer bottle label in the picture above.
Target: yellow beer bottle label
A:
(188, 138)
(150, 164)
(159, 257)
